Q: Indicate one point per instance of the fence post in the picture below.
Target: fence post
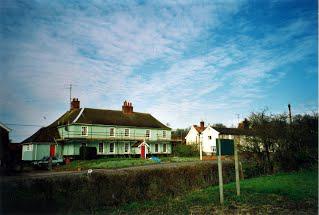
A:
(236, 168)
(220, 174)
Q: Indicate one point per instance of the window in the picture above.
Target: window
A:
(164, 134)
(112, 133)
(84, 130)
(29, 147)
(126, 147)
(156, 147)
(126, 132)
(164, 147)
(209, 137)
(101, 145)
(214, 148)
(147, 133)
(112, 147)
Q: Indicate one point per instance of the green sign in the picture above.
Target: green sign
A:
(227, 146)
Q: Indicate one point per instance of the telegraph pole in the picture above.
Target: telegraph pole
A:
(289, 109)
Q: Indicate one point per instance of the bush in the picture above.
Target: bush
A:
(186, 150)
(88, 153)
(74, 193)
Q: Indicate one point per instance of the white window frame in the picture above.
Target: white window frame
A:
(128, 147)
(164, 134)
(113, 148)
(113, 132)
(213, 148)
(29, 148)
(99, 148)
(156, 144)
(149, 133)
(165, 148)
(210, 137)
(87, 130)
(126, 129)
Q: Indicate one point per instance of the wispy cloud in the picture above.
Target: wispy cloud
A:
(176, 60)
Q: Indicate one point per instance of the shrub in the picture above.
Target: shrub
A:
(74, 193)
(88, 153)
(186, 150)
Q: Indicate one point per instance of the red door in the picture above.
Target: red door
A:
(143, 151)
(52, 150)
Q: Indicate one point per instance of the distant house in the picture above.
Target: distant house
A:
(111, 132)
(4, 143)
(208, 136)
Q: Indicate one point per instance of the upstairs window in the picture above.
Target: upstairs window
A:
(101, 145)
(126, 147)
(164, 134)
(147, 133)
(126, 132)
(112, 133)
(156, 147)
(29, 147)
(209, 137)
(84, 130)
(111, 147)
(164, 147)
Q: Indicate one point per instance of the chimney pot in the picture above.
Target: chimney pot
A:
(75, 104)
(202, 124)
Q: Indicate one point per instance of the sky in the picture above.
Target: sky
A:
(181, 61)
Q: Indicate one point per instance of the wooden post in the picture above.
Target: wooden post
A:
(220, 173)
(200, 147)
(236, 168)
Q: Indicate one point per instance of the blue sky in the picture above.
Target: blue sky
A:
(181, 61)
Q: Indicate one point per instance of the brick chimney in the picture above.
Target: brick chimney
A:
(75, 104)
(127, 107)
(201, 124)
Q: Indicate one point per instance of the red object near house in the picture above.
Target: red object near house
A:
(143, 154)
(52, 150)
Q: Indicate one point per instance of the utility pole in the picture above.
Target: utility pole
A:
(289, 109)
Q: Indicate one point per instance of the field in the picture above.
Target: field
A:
(113, 163)
(284, 193)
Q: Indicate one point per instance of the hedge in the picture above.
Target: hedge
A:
(81, 192)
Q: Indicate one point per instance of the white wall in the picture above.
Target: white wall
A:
(209, 145)
(192, 136)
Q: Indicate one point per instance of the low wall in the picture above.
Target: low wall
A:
(72, 193)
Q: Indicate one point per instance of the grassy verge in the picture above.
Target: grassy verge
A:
(285, 193)
(113, 163)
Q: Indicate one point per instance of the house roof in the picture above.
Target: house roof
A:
(5, 127)
(199, 129)
(94, 116)
(234, 131)
(114, 117)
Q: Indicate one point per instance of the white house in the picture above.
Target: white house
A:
(207, 136)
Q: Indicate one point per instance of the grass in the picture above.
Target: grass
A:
(284, 193)
(113, 163)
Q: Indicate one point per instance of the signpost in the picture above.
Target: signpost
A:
(227, 147)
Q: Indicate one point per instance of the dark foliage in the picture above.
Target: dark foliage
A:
(183, 150)
(279, 145)
(88, 153)
(73, 193)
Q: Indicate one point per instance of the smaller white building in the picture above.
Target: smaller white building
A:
(208, 136)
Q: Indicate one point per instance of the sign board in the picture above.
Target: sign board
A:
(227, 147)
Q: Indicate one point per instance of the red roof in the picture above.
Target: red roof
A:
(199, 129)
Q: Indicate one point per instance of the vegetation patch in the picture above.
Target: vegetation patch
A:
(284, 193)
(113, 163)
(73, 193)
